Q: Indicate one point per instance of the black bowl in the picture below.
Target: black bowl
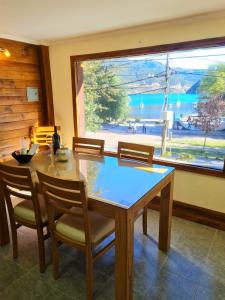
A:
(22, 158)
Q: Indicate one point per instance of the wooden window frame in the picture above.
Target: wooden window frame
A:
(76, 60)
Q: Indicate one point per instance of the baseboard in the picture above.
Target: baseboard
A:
(194, 213)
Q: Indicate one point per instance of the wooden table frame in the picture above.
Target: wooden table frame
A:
(124, 220)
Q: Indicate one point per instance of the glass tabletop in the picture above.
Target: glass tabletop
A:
(121, 182)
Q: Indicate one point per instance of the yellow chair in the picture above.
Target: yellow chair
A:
(42, 135)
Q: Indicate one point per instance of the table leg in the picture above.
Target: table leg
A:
(166, 206)
(4, 230)
(124, 254)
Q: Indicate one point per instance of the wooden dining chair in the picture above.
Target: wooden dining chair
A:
(42, 135)
(139, 153)
(18, 186)
(78, 227)
(87, 145)
(135, 152)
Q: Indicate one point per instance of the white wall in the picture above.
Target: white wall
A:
(200, 190)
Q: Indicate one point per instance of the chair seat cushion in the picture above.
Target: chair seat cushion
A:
(72, 227)
(24, 210)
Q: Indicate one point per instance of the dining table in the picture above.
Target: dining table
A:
(117, 188)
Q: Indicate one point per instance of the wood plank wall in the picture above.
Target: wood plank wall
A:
(17, 115)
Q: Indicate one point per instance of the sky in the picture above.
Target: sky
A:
(194, 59)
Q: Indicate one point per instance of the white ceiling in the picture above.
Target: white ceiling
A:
(42, 20)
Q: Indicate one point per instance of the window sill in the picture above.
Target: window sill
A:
(183, 167)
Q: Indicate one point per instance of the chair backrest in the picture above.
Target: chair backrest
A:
(135, 152)
(86, 145)
(42, 135)
(17, 182)
(61, 195)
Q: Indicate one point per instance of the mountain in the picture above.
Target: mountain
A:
(139, 76)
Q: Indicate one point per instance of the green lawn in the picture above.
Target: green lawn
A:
(211, 143)
(185, 153)
(193, 153)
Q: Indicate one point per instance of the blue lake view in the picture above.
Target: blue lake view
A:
(149, 106)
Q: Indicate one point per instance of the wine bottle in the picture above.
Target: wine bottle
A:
(55, 140)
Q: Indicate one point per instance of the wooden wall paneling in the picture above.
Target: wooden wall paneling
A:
(19, 108)
(12, 117)
(20, 74)
(20, 52)
(16, 133)
(11, 126)
(19, 84)
(21, 70)
(10, 100)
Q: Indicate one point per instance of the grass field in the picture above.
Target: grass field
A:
(182, 148)
(199, 142)
(191, 154)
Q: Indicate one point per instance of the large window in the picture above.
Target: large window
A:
(174, 101)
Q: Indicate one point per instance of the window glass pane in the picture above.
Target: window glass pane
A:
(173, 101)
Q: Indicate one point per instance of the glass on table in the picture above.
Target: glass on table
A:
(49, 143)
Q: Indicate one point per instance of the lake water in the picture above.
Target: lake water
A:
(149, 106)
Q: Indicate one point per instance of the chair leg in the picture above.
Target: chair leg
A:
(145, 221)
(41, 249)
(55, 257)
(14, 240)
(89, 274)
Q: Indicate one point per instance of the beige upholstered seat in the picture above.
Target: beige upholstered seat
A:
(72, 227)
(25, 210)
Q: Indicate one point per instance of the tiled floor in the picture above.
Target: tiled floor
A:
(194, 268)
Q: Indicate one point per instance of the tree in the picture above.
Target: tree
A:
(105, 98)
(92, 120)
(210, 113)
(211, 107)
(213, 83)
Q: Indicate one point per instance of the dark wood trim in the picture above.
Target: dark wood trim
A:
(182, 167)
(74, 95)
(47, 101)
(204, 43)
(77, 94)
(212, 42)
(191, 168)
(194, 213)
